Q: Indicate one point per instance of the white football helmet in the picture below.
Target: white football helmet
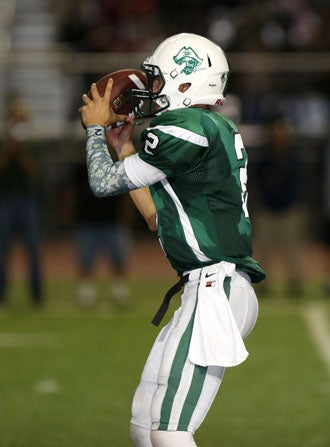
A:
(185, 70)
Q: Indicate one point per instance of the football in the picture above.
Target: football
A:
(123, 82)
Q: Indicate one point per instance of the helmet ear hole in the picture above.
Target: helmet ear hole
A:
(184, 87)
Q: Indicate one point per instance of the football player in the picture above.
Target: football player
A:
(189, 182)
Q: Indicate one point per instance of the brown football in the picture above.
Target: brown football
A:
(123, 82)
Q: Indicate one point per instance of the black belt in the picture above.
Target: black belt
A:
(167, 298)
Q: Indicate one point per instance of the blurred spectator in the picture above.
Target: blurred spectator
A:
(309, 112)
(237, 25)
(282, 25)
(280, 221)
(288, 25)
(19, 197)
(102, 230)
(109, 25)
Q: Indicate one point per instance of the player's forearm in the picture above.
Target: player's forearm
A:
(127, 150)
(144, 203)
(105, 177)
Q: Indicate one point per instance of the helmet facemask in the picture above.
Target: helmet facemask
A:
(150, 102)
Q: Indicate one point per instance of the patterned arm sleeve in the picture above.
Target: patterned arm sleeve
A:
(106, 178)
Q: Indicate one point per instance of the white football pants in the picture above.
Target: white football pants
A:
(174, 395)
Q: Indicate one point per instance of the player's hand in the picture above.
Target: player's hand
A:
(97, 110)
(120, 138)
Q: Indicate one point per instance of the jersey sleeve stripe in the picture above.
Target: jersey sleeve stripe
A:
(183, 134)
(141, 173)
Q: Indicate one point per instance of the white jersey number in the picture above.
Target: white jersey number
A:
(239, 148)
(151, 143)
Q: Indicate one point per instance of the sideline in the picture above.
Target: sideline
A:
(315, 317)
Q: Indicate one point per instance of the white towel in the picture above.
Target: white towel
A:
(216, 339)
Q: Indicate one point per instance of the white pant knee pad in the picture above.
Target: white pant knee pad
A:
(172, 439)
(140, 436)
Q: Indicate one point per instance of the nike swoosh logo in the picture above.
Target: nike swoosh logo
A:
(207, 275)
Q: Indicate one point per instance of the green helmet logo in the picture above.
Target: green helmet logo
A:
(188, 57)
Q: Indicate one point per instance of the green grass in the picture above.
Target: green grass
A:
(67, 376)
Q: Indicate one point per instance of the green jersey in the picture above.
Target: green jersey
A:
(202, 202)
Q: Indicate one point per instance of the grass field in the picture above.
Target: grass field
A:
(67, 376)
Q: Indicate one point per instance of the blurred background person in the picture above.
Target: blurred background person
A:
(281, 220)
(20, 197)
(101, 232)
